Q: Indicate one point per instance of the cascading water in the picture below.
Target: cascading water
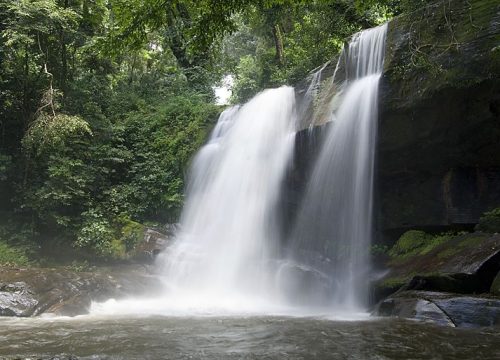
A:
(223, 257)
(306, 104)
(226, 257)
(228, 227)
(332, 236)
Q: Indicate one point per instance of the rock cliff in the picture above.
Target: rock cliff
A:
(439, 124)
(438, 152)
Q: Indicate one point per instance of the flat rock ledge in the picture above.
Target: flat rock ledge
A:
(33, 291)
(444, 309)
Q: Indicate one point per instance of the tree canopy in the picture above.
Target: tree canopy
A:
(103, 102)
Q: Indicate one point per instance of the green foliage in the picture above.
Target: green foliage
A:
(16, 249)
(103, 103)
(285, 40)
(131, 233)
(28, 18)
(247, 81)
(5, 163)
(12, 256)
(47, 132)
(378, 249)
(489, 222)
(112, 239)
(416, 242)
(96, 233)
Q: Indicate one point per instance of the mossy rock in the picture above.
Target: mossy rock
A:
(456, 264)
(132, 233)
(409, 242)
(128, 235)
(439, 99)
(415, 242)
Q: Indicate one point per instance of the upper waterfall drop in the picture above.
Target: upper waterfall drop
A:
(333, 230)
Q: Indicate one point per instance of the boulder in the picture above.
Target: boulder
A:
(442, 308)
(152, 244)
(466, 263)
(31, 292)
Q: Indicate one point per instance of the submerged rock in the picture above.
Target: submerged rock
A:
(442, 308)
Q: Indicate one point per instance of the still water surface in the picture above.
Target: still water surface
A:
(241, 338)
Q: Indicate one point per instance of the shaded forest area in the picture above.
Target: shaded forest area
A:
(103, 103)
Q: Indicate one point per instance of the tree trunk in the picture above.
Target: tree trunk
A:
(278, 42)
(26, 105)
(64, 57)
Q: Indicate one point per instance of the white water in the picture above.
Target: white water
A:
(225, 258)
(333, 231)
(228, 229)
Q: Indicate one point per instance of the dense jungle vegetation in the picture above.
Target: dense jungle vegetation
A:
(103, 103)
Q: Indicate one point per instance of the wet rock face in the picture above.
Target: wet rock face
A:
(465, 264)
(152, 244)
(308, 144)
(443, 309)
(16, 300)
(439, 124)
(438, 151)
(31, 292)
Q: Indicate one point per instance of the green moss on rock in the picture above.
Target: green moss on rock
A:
(128, 235)
(132, 233)
(409, 242)
(416, 242)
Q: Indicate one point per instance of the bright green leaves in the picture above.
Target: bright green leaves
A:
(48, 132)
(27, 19)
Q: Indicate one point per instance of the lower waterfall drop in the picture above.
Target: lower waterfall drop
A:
(223, 255)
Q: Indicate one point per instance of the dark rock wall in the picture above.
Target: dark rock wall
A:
(439, 124)
(308, 144)
(438, 152)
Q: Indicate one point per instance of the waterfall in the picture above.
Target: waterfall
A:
(329, 249)
(228, 256)
(228, 235)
